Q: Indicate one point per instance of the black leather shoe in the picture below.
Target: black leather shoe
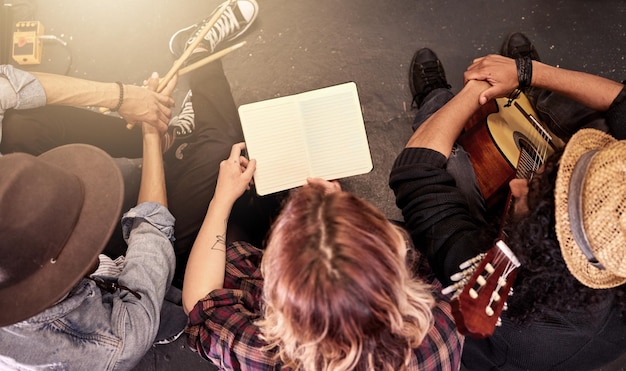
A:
(517, 45)
(425, 75)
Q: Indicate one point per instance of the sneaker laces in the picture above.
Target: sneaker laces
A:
(223, 27)
(170, 339)
(433, 78)
(184, 123)
(431, 73)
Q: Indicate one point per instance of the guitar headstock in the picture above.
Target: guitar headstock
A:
(482, 289)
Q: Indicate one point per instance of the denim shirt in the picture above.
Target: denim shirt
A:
(95, 330)
(19, 90)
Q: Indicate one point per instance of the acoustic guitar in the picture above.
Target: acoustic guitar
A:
(506, 141)
(510, 142)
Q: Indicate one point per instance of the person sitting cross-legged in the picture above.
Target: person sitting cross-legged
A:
(64, 306)
(333, 289)
(566, 228)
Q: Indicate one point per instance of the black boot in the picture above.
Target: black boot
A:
(425, 75)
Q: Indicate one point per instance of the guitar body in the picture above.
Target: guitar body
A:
(495, 138)
(492, 170)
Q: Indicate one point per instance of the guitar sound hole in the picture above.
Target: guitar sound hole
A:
(530, 159)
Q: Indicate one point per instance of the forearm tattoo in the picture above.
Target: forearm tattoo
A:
(220, 240)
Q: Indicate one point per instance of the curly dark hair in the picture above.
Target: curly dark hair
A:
(543, 280)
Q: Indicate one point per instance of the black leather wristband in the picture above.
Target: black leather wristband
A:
(524, 72)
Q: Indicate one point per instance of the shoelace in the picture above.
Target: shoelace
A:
(225, 25)
(184, 122)
(433, 78)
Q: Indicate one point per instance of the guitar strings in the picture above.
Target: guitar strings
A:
(502, 280)
(539, 152)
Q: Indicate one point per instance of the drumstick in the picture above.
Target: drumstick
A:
(188, 51)
(190, 48)
(194, 66)
(207, 60)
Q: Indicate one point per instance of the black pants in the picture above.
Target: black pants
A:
(191, 167)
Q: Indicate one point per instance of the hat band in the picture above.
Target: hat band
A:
(575, 207)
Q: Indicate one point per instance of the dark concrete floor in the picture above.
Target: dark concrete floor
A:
(299, 45)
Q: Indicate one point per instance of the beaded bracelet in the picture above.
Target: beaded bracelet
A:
(524, 71)
(119, 103)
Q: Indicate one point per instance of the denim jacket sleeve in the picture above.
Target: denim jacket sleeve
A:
(19, 89)
(148, 229)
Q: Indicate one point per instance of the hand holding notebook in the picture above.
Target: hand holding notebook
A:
(318, 133)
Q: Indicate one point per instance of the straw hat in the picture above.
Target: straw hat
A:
(590, 208)
(57, 212)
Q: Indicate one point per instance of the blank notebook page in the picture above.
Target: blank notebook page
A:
(318, 133)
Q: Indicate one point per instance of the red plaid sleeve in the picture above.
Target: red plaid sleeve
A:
(441, 348)
(221, 326)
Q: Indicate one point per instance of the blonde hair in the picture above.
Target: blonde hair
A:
(338, 292)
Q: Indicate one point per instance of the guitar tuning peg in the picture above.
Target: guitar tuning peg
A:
(473, 294)
(495, 296)
(505, 306)
(448, 290)
(458, 276)
(455, 287)
(489, 311)
(499, 322)
(471, 261)
(481, 280)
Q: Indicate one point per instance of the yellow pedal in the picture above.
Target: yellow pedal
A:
(27, 47)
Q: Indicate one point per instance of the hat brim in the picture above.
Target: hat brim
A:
(103, 196)
(582, 142)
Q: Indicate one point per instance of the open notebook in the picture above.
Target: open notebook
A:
(318, 133)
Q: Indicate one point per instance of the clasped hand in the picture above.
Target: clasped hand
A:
(145, 105)
(499, 71)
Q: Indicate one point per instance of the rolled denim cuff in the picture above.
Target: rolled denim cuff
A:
(26, 91)
(152, 212)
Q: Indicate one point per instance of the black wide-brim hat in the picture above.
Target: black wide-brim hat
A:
(57, 212)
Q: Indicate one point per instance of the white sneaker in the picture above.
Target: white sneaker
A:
(235, 20)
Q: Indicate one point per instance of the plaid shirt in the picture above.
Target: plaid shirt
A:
(221, 326)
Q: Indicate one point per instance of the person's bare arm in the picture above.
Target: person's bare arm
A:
(441, 130)
(139, 104)
(593, 91)
(501, 72)
(152, 188)
(207, 261)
